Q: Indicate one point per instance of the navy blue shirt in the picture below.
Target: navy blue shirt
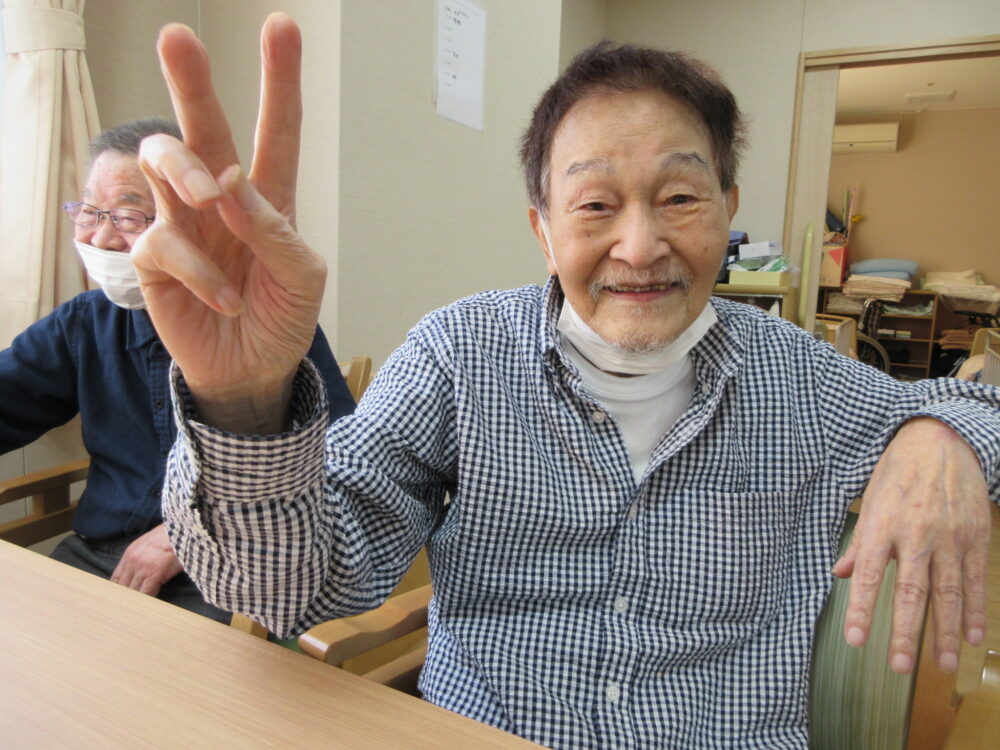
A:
(107, 363)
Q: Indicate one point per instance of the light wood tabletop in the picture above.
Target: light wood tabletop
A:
(86, 663)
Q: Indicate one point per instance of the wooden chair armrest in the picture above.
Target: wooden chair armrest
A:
(51, 511)
(977, 723)
(338, 640)
(43, 481)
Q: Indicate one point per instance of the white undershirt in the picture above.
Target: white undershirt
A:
(644, 406)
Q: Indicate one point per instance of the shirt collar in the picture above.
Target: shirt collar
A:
(141, 331)
(720, 348)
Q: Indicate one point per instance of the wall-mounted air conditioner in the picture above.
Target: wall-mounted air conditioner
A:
(865, 138)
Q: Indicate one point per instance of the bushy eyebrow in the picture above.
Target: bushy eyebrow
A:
(598, 163)
(688, 157)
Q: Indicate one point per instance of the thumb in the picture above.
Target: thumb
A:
(844, 567)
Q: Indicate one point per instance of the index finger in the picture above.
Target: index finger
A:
(203, 122)
(277, 139)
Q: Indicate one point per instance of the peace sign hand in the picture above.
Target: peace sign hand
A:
(233, 291)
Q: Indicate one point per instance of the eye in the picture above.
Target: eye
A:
(680, 200)
(594, 206)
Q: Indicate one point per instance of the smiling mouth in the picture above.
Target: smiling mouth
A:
(643, 288)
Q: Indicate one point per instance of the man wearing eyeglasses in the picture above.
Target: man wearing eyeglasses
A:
(98, 355)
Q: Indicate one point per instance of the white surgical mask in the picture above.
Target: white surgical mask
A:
(610, 358)
(115, 272)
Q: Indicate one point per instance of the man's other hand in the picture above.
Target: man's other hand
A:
(148, 563)
(926, 506)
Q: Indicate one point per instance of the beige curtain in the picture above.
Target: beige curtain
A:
(49, 115)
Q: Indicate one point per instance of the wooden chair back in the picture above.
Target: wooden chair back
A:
(358, 374)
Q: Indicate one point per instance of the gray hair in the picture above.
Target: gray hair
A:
(125, 138)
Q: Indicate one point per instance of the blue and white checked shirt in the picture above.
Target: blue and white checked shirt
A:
(572, 605)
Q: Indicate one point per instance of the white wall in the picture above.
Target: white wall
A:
(121, 55)
(582, 24)
(230, 30)
(756, 45)
(431, 210)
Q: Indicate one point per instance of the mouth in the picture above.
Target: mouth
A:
(643, 292)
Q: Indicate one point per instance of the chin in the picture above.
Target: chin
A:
(640, 342)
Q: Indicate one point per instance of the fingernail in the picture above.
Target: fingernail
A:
(948, 661)
(856, 637)
(976, 636)
(200, 186)
(901, 663)
(229, 301)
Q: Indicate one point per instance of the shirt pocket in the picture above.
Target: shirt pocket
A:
(729, 557)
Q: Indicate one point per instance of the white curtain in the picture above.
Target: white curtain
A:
(49, 115)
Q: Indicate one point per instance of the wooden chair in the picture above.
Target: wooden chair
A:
(841, 331)
(358, 374)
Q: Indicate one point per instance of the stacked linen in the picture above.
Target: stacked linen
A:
(880, 287)
(886, 268)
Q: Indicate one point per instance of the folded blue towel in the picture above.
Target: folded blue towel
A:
(885, 264)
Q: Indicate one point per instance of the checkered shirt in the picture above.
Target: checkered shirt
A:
(573, 606)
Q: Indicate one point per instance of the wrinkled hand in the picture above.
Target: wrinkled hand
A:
(233, 291)
(927, 506)
(148, 563)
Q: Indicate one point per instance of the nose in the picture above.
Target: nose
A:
(640, 243)
(106, 237)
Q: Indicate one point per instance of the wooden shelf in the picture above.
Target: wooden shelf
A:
(918, 347)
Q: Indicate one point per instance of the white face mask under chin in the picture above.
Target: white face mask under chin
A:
(115, 272)
(610, 358)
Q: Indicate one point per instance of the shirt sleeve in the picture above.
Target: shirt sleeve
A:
(862, 408)
(37, 382)
(296, 528)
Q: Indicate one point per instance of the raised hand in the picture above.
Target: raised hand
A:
(233, 291)
(927, 506)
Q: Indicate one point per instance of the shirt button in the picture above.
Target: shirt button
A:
(157, 404)
(613, 692)
(598, 417)
(621, 604)
(633, 512)
(706, 388)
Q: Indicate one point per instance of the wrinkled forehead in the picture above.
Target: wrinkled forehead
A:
(605, 126)
(116, 178)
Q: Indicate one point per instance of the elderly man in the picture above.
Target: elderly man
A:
(647, 485)
(98, 355)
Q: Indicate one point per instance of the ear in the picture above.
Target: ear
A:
(535, 219)
(733, 200)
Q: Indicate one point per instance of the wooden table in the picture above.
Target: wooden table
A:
(86, 663)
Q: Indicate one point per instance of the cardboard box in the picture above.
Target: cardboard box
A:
(760, 278)
(833, 265)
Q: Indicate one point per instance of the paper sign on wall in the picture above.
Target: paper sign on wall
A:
(461, 52)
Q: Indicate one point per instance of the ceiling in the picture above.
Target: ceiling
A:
(881, 90)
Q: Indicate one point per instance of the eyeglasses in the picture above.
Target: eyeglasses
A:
(127, 220)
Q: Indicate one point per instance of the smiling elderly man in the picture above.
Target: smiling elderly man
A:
(647, 486)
